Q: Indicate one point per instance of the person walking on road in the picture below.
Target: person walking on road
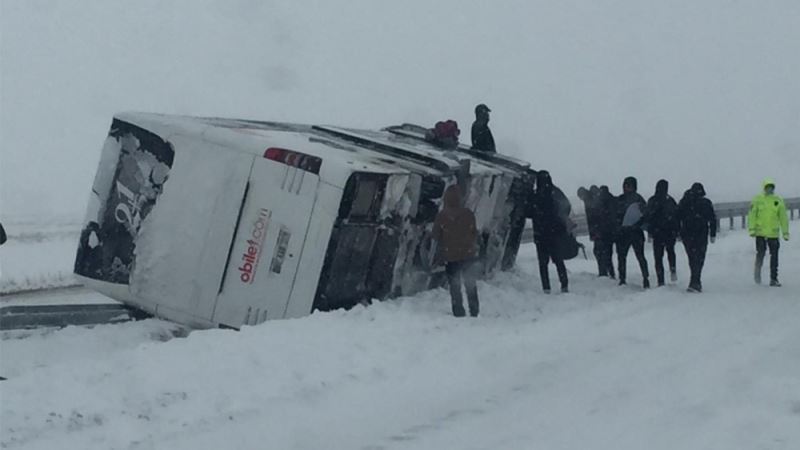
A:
(607, 231)
(698, 223)
(631, 215)
(662, 229)
(767, 220)
(591, 208)
(550, 211)
(456, 235)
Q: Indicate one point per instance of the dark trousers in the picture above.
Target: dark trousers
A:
(545, 252)
(661, 245)
(774, 245)
(458, 272)
(603, 250)
(628, 239)
(696, 252)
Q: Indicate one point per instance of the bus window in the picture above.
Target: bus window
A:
(362, 197)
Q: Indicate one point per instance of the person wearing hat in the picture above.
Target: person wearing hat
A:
(766, 221)
(482, 138)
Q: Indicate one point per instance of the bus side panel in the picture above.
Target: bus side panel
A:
(309, 270)
(264, 258)
(184, 242)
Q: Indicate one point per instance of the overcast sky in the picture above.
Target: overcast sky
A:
(592, 90)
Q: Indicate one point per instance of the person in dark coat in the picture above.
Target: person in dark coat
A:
(590, 207)
(606, 230)
(550, 211)
(456, 235)
(631, 214)
(698, 222)
(662, 228)
(482, 138)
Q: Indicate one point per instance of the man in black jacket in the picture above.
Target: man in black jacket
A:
(482, 138)
(697, 222)
(631, 214)
(662, 223)
(550, 212)
(590, 207)
(607, 230)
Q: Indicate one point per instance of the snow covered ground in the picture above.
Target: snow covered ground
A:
(40, 252)
(602, 367)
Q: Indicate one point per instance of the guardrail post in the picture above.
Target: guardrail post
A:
(730, 219)
(791, 212)
(744, 221)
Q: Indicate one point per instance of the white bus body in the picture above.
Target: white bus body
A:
(219, 222)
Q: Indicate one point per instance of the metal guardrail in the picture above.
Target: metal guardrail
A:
(33, 316)
(733, 210)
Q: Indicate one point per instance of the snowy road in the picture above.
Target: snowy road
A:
(602, 367)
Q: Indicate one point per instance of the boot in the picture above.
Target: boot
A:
(757, 272)
(673, 275)
(775, 283)
(646, 283)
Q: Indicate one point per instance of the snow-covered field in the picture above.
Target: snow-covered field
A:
(602, 367)
(40, 252)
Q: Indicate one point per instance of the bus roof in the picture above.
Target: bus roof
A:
(342, 150)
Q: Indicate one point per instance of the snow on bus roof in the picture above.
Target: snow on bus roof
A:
(339, 158)
(424, 149)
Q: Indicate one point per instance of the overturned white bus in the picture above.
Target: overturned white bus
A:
(216, 222)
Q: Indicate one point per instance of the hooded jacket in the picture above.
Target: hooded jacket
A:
(550, 209)
(632, 207)
(696, 215)
(767, 217)
(607, 207)
(454, 229)
(662, 213)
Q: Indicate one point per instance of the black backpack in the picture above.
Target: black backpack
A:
(3, 237)
(568, 246)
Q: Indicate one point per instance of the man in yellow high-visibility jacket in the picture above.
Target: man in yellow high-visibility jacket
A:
(767, 220)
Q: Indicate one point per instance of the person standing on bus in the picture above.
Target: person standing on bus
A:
(482, 138)
(456, 236)
(766, 220)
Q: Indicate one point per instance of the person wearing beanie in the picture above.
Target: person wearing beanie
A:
(698, 222)
(482, 138)
(631, 215)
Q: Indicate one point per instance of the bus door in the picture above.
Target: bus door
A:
(269, 241)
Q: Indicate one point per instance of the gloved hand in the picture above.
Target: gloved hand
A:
(713, 239)
(786, 237)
